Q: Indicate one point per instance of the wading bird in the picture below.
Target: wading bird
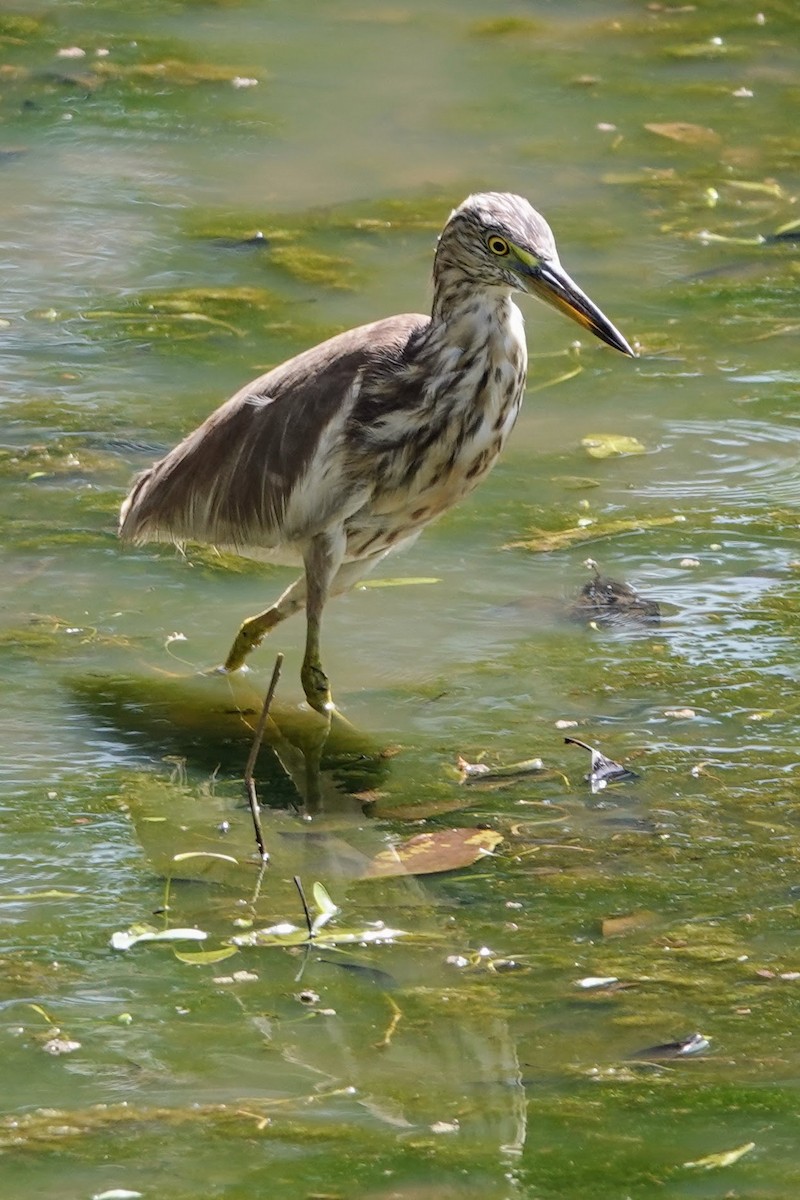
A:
(347, 451)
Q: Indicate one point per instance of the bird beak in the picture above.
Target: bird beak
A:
(551, 283)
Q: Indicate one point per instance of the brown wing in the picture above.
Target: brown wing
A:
(230, 481)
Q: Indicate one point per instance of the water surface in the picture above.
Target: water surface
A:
(127, 316)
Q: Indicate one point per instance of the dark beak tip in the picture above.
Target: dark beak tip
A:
(616, 341)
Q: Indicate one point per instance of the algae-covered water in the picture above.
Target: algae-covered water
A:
(496, 1029)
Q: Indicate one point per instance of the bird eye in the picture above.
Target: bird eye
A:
(497, 245)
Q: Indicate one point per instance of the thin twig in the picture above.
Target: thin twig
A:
(249, 781)
(304, 903)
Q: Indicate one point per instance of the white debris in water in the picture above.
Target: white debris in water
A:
(117, 1194)
(445, 1127)
(60, 1045)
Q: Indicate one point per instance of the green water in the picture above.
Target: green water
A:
(387, 1071)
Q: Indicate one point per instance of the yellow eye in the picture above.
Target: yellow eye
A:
(497, 245)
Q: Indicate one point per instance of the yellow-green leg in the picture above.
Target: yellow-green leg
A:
(254, 629)
(322, 561)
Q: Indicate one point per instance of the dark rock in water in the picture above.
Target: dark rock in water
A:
(608, 602)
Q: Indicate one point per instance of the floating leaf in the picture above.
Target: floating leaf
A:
(765, 187)
(724, 1159)
(124, 939)
(378, 934)
(428, 853)
(685, 132)
(399, 581)
(37, 1008)
(706, 236)
(204, 854)
(199, 957)
(609, 445)
(117, 1194)
(481, 772)
(325, 907)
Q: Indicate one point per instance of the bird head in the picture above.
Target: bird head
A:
(497, 240)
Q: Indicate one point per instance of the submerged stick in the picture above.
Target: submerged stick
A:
(249, 781)
(396, 1018)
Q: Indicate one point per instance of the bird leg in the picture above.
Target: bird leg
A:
(253, 630)
(322, 561)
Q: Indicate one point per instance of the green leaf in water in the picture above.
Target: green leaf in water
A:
(325, 907)
(200, 957)
(609, 445)
(299, 937)
(724, 1159)
(399, 581)
(37, 1008)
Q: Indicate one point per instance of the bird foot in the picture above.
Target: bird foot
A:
(251, 634)
(317, 689)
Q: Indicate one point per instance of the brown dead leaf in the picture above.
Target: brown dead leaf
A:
(685, 132)
(428, 853)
